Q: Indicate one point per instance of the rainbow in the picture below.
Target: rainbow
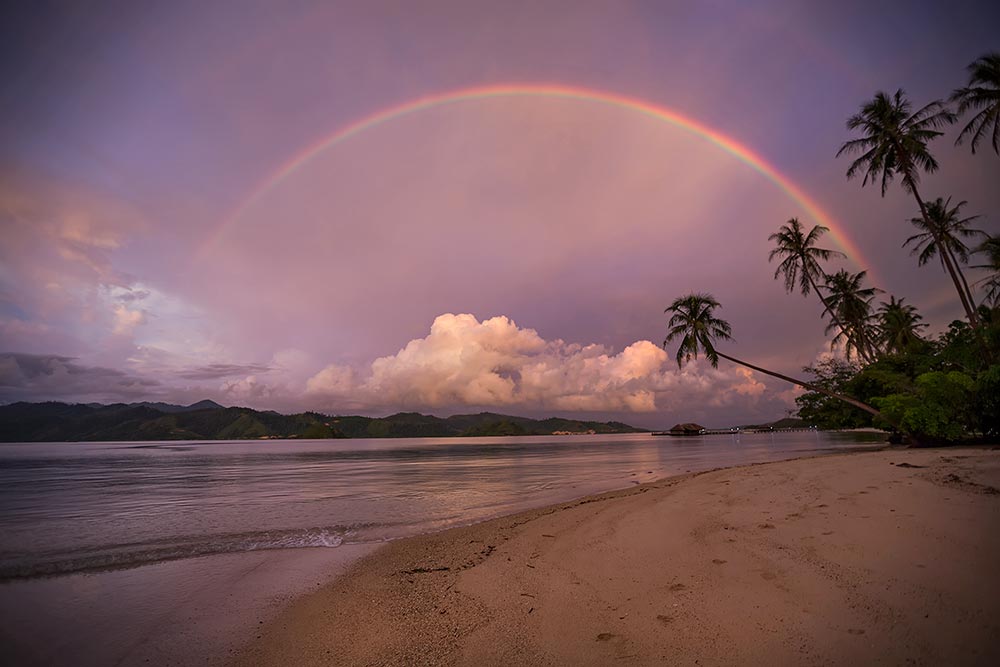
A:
(728, 144)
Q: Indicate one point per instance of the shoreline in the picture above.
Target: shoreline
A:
(178, 612)
(204, 608)
(598, 578)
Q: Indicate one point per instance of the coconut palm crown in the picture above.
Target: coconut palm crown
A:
(799, 255)
(943, 231)
(899, 325)
(800, 263)
(946, 224)
(692, 320)
(894, 139)
(983, 95)
(853, 305)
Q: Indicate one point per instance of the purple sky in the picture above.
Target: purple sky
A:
(512, 254)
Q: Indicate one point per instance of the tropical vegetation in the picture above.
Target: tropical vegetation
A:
(885, 369)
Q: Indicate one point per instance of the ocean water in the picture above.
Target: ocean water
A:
(69, 508)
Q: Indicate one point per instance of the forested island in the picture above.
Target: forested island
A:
(207, 420)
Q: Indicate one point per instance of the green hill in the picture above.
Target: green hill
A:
(61, 422)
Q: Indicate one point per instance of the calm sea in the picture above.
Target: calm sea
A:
(84, 507)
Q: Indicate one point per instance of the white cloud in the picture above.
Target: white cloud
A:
(465, 362)
(249, 388)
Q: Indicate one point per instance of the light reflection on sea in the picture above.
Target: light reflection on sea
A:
(71, 507)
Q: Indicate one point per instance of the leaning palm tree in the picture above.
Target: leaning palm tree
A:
(800, 260)
(693, 320)
(894, 143)
(899, 326)
(982, 93)
(853, 304)
(991, 283)
(949, 227)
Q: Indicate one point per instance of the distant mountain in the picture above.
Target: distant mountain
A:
(167, 407)
(207, 420)
(413, 424)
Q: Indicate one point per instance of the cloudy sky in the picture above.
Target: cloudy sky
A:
(249, 203)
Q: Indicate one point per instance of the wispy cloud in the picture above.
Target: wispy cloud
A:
(219, 371)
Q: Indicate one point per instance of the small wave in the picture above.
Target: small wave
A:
(124, 556)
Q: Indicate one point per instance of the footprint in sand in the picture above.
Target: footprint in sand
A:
(678, 587)
(666, 620)
(606, 636)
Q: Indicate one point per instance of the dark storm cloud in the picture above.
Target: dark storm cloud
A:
(219, 371)
(50, 376)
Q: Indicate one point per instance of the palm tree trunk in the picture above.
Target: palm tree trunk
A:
(965, 283)
(968, 289)
(811, 387)
(866, 339)
(836, 320)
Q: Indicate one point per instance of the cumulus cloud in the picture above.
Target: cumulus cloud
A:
(495, 363)
(250, 389)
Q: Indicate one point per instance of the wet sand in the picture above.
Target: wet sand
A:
(890, 557)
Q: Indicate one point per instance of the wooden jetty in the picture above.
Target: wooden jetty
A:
(734, 431)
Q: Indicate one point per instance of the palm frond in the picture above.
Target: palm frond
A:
(983, 94)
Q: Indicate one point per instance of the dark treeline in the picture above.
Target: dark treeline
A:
(893, 374)
(62, 422)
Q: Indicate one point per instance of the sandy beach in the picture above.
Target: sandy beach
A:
(874, 558)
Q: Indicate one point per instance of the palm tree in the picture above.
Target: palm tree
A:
(948, 226)
(800, 260)
(894, 143)
(899, 326)
(853, 305)
(991, 248)
(693, 320)
(983, 92)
